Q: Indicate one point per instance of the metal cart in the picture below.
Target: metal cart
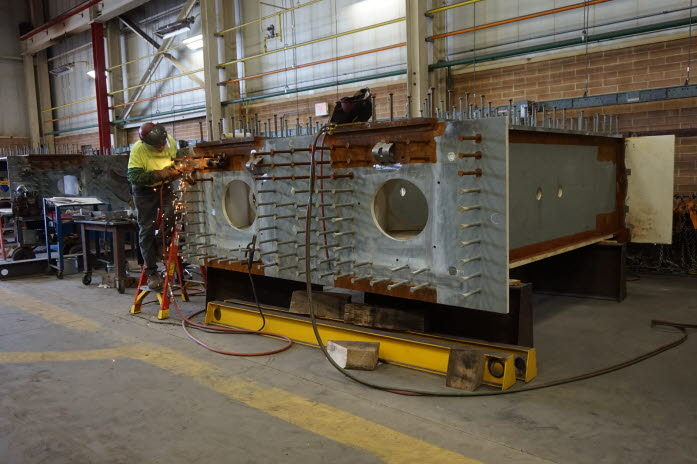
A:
(57, 205)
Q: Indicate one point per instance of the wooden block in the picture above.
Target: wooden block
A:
(385, 318)
(465, 368)
(354, 355)
(328, 305)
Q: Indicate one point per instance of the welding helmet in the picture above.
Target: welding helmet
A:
(154, 135)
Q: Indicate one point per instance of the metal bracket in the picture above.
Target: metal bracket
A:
(383, 152)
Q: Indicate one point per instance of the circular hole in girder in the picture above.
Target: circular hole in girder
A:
(538, 194)
(400, 209)
(239, 205)
(495, 367)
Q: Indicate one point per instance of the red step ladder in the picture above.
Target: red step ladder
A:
(174, 268)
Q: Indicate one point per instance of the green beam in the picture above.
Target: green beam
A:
(565, 43)
(315, 87)
(157, 115)
(70, 130)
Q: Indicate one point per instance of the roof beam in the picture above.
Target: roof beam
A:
(75, 21)
(157, 59)
(178, 64)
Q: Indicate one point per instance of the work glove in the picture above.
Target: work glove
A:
(166, 175)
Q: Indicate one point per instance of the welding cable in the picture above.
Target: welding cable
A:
(415, 392)
(187, 321)
(210, 328)
(251, 246)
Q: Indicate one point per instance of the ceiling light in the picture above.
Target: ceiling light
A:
(175, 28)
(62, 70)
(91, 73)
(194, 43)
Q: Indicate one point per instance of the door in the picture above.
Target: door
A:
(650, 165)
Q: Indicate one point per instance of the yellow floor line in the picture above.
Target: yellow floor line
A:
(329, 422)
(63, 356)
(319, 418)
(47, 311)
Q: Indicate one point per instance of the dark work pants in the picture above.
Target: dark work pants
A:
(147, 201)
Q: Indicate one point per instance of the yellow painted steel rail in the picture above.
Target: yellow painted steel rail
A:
(310, 42)
(234, 28)
(448, 7)
(504, 363)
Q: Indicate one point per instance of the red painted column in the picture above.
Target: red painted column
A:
(100, 84)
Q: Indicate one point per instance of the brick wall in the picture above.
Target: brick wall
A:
(74, 143)
(13, 142)
(635, 68)
(686, 165)
(187, 129)
(304, 106)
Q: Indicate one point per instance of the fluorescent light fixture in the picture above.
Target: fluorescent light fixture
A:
(91, 73)
(175, 28)
(62, 70)
(194, 43)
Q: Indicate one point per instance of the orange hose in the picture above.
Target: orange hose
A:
(517, 19)
(156, 97)
(71, 116)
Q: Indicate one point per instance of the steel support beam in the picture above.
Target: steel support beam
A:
(439, 52)
(98, 56)
(157, 59)
(417, 55)
(622, 98)
(232, 48)
(45, 101)
(114, 52)
(32, 104)
(178, 64)
(37, 79)
(73, 22)
(211, 58)
(239, 48)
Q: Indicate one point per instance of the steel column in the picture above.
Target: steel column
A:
(209, 21)
(114, 52)
(44, 86)
(98, 56)
(417, 55)
(32, 106)
(439, 52)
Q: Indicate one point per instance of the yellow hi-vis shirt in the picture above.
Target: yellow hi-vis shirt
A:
(147, 158)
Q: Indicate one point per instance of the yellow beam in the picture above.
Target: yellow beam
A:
(406, 351)
(225, 31)
(310, 42)
(455, 5)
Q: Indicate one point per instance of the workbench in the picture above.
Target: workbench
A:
(117, 229)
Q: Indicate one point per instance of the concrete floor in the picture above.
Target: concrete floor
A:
(82, 381)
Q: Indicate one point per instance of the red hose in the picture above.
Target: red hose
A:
(186, 320)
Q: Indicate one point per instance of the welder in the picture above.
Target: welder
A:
(151, 171)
